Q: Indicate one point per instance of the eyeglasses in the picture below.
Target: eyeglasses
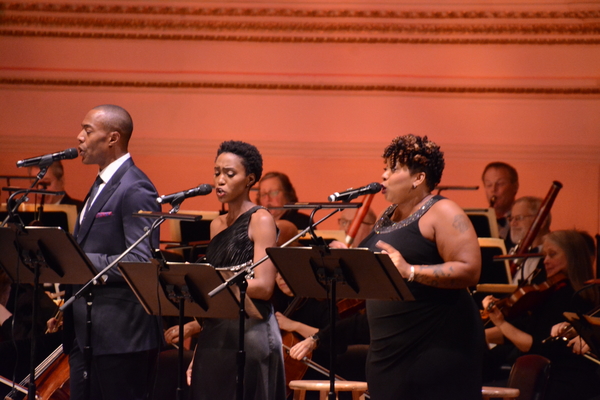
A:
(272, 194)
(519, 218)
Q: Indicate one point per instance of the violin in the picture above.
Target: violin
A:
(527, 298)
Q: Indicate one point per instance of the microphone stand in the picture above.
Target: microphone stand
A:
(240, 279)
(12, 211)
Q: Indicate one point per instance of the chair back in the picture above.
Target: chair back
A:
(530, 375)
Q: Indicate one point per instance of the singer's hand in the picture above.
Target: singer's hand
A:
(190, 329)
(401, 265)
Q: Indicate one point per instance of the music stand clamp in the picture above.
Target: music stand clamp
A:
(321, 272)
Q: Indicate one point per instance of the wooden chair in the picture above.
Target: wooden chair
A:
(300, 388)
(530, 375)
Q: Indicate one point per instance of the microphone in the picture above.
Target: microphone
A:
(45, 160)
(351, 194)
(178, 197)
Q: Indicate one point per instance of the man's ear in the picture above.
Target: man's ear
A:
(114, 137)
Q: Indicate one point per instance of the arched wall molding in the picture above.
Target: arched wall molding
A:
(303, 24)
(299, 39)
(294, 12)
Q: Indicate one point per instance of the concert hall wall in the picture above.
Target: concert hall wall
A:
(319, 87)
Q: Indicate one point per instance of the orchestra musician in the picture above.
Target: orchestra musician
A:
(522, 214)
(16, 328)
(501, 183)
(54, 180)
(568, 266)
(299, 319)
(240, 236)
(429, 348)
(366, 225)
(275, 190)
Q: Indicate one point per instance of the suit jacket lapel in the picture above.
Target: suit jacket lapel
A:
(106, 193)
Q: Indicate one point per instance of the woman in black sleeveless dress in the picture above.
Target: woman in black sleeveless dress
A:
(429, 348)
(239, 237)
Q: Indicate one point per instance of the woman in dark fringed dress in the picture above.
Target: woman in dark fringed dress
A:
(238, 237)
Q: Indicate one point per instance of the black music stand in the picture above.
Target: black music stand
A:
(179, 290)
(48, 255)
(322, 272)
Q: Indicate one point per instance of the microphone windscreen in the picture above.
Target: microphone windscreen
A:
(71, 153)
(204, 189)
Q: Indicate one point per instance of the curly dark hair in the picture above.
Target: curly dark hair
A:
(418, 154)
(251, 158)
(288, 189)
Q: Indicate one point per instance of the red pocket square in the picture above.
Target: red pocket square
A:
(104, 214)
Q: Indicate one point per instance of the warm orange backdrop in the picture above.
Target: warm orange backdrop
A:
(321, 89)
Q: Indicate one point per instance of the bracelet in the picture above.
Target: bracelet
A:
(411, 277)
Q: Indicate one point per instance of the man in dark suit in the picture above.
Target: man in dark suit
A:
(124, 338)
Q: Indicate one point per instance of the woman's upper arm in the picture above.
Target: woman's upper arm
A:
(455, 237)
(263, 233)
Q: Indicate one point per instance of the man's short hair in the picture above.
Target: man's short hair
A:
(512, 172)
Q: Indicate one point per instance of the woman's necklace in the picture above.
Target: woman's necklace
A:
(385, 224)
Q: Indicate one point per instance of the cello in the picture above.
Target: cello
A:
(294, 369)
(51, 376)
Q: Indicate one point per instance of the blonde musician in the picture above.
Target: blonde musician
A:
(568, 266)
